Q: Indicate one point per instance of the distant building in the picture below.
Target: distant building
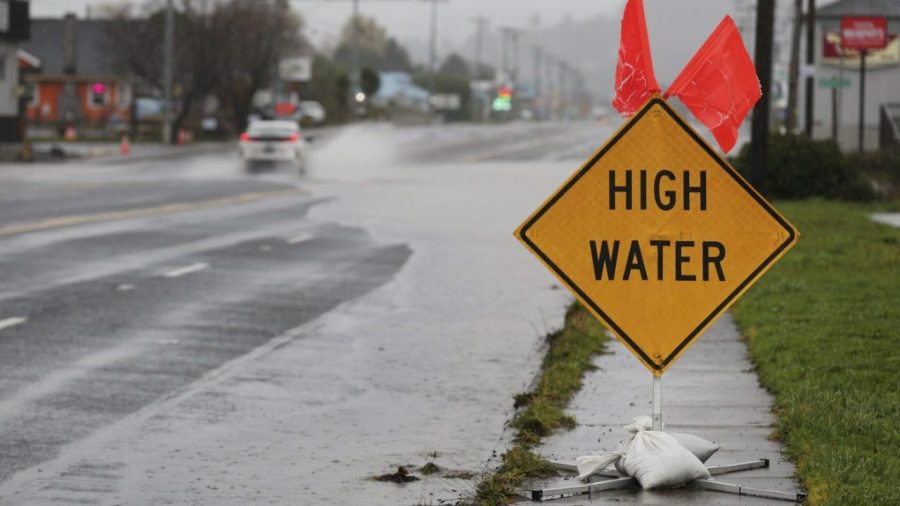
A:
(76, 84)
(397, 90)
(14, 28)
(837, 73)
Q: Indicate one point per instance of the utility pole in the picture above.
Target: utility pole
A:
(759, 141)
(504, 64)
(790, 120)
(810, 60)
(551, 87)
(514, 36)
(354, 51)
(275, 52)
(563, 92)
(169, 43)
(432, 40)
(538, 56)
(480, 23)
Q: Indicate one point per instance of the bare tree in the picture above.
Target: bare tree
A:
(224, 48)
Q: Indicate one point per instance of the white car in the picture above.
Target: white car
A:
(272, 141)
(312, 113)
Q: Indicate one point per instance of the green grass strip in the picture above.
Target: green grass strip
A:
(824, 333)
(569, 356)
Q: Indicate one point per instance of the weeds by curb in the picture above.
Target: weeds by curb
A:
(570, 354)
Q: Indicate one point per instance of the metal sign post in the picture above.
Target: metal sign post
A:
(863, 33)
(862, 99)
(657, 403)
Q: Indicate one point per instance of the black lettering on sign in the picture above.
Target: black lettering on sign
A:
(688, 189)
(681, 259)
(605, 259)
(635, 261)
(670, 203)
(660, 246)
(709, 258)
(665, 189)
(613, 189)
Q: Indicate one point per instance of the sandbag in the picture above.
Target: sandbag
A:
(592, 463)
(656, 459)
(701, 448)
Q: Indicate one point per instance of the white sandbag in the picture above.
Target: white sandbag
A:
(656, 459)
(593, 463)
(701, 448)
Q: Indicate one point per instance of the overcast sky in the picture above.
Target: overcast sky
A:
(408, 20)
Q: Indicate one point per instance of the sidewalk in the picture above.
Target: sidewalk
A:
(711, 392)
(892, 219)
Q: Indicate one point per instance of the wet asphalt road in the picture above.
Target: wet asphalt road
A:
(122, 283)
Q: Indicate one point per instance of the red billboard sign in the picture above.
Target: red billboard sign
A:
(863, 32)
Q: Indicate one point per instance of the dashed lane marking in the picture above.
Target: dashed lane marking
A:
(12, 322)
(181, 271)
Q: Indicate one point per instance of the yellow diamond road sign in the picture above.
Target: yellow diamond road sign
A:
(657, 235)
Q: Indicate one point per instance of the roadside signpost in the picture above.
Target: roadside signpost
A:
(863, 34)
(834, 82)
(657, 235)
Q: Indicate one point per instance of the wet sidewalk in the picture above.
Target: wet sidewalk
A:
(711, 392)
(892, 219)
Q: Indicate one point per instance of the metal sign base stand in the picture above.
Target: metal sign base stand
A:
(619, 481)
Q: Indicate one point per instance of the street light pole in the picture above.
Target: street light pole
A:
(862, 99)
(354, 43)
(432, 39)
(275, 52)
(480, 23)
(169, 42)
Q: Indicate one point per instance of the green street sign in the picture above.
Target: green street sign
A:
(834, 82)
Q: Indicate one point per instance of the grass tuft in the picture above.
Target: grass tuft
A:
(823, 328)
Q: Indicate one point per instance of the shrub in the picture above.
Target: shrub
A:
(800, 168)
(883, 167)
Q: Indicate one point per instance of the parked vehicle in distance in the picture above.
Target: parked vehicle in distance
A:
(267, 141)
(311, 113)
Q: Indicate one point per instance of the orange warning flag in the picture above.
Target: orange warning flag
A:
(635, 82)
(719, 85)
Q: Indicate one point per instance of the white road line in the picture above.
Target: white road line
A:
(12, 322)
(299, 238)
(125, 287)
(181, 271)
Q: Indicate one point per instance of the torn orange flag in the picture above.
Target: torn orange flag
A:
(719, 85)
(635, 82)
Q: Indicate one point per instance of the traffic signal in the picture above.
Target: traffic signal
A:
(503, 100)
